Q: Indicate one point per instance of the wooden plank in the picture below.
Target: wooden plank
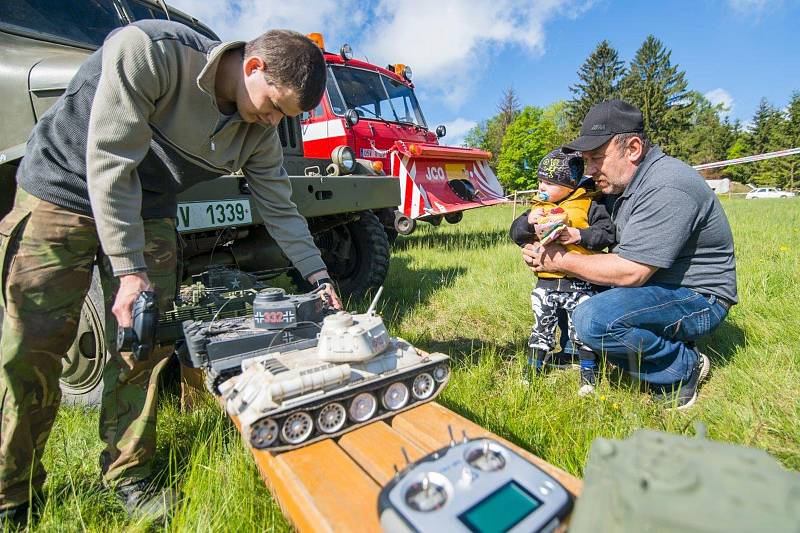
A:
(333, 486)
(319, 487)
(427, 426)
(377, 448)
(343, 496)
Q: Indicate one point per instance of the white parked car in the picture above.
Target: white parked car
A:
(768, 192)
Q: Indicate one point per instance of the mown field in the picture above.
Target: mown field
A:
(464, 290)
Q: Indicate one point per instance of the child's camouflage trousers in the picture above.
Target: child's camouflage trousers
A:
(48, 256)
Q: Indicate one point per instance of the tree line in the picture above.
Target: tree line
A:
(683, 122)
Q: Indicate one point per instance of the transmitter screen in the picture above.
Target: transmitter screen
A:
(501, 510)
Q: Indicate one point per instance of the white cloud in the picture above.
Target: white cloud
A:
(246, 19)
(456, 131)
(448, 43)
(721, 96)
(749, 7)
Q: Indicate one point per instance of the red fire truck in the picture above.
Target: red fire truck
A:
(371, 113)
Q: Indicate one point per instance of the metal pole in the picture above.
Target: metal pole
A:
(514, 212)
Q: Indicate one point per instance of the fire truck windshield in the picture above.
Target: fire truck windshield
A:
(373, 95)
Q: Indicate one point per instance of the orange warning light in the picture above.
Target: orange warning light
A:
(318, 40)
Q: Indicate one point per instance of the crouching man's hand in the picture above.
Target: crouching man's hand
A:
(329, 292)
(543, 258)
(130, 285)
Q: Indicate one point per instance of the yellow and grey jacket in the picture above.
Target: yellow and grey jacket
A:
(589, 216)
(138, 124)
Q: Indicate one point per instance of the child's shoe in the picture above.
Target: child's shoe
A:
(535, 365)
(588, 377)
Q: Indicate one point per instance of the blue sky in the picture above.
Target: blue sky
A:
(464, 53)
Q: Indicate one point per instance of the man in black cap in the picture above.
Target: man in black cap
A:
(672, 271)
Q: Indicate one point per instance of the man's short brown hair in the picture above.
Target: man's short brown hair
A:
(292, 61)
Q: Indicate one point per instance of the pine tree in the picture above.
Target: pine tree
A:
(599, 78)
(658, 88)
(708, 138)
(793, 140)
(767, 134)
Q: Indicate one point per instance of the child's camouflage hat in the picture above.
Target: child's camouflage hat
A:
(561, 168)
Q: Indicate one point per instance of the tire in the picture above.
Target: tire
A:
(356, 254)
(391, 234)
(82, 376)
(454, 218)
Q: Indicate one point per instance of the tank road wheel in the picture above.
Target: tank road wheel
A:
(423, 386)
(81, 377)
(331, 418)
(441, 372)
(395, 396)
(357, 254)
(297, 427)
(362, 407)
(264, 433)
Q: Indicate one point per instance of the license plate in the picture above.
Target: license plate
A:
(206, 215)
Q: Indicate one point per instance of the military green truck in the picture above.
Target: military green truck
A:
(44, 42)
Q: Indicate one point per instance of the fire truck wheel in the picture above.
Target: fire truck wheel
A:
(454, 218)
(404, 225)
(356, 254)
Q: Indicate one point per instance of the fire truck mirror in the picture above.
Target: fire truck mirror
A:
(441, 131)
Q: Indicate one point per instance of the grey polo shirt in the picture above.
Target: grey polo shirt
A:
(668, 217)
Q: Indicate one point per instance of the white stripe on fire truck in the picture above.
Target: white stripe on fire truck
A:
(489, 180)
(323, 130)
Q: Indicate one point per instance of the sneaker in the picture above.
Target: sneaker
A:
(14, 518)
(588, 381)
(686, 394)
(142, 500)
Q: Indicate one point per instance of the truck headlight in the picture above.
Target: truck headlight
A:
(345, 158)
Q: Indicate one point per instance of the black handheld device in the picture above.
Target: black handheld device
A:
(141, 337)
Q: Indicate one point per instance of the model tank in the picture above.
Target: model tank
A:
(275, 319)
(354, 373)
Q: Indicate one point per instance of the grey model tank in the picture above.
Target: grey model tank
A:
(654, 481)
(354, 373)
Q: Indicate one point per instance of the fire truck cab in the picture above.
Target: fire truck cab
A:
(371, 113)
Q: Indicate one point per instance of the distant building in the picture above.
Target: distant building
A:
(722, 186)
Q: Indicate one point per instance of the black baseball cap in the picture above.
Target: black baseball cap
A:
(603, 121)
(561, 168)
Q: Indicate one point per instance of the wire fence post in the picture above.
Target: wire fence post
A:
(514, 211)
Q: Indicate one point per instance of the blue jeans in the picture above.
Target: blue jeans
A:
(644, 330)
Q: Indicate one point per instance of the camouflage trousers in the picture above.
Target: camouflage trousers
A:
(47, 258)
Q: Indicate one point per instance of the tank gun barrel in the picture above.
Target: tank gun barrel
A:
(374, 304)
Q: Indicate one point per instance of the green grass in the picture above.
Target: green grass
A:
(464, 290)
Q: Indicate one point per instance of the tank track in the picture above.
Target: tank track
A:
(374, 386)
